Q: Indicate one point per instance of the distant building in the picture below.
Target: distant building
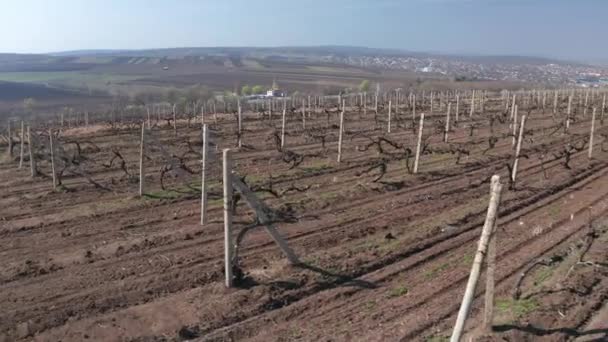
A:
(274, 93)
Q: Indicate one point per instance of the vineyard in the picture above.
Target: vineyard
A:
(106, 234)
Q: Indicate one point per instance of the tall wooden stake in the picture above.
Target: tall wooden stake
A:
(419, 144)
(10, 140)
(53, 173)
(488, 228)
(142, 149)
(22, 145)
(390, 108)
(341, 133)
(518, 149)
(283, 124)
(204, 175)
(447, 123)
(228, 245)
(591, 134)
(33, 170)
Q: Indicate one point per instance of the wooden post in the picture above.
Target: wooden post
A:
(142, 150)
(390, 107)
(488, 228)
(514, 125)
(53, 173)
(518, 149)
(414, 109)
(228, 245)
(203, 175)
(240, 125)
(591, 134)
(341, 133)
(283, 124)
(86, 118)
(10, 140)
(472, 104)
(603, 110)
(488, 315)
(447, 123)
(555, 97)
(22, 145)
(174, 120)
(419, 144)
(457, 106)
(568, 113)
(304, 114)
(33, 170)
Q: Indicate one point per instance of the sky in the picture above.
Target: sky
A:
(566, 29)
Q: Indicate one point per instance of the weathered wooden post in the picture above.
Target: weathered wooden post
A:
(21, 145)
(432, 101)
(228, 245)
(457, 106)
(419, 144)
(33, 170)
(204, 153)
(341, 133)
(390, 107)
(591, 134)
(487, 232)
(304, 114)
(447, 123)
(283, 124)
(514, 125)
(568, 113)
(555, 97)
(518, 149)
(10, 140)
(472, 104)
(240, 124)
(86, 118)
(603, 110)
(53, 173)
(142, 151)
(174, 121)
(414, 109)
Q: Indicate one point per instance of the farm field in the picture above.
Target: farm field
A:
(385, 252)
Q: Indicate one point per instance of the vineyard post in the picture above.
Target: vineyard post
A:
(514, 125)
(518, 149)
(283, 124)
(204, 175)
(487, 231)
(340, 134)
(53, 174)
(555, 103)
(304, 114)
(447, 123)
(240, 125)
(31, 152)
(61, 123)
(418, 145)
(568, 113)
(390, 107)
(10, 140)
(21, 145)
(591, 133)
(603, 110)
(472, 104)
(457, 106)
(86, 119)
(142, 149)
(228, 245)
(414, 108)
(513, 106)
(174, 120)
(202, 115)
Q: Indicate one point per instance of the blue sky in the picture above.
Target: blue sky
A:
(569, 29)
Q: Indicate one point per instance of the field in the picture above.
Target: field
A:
(385, 252)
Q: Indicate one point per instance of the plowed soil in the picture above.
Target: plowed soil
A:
(381, 259)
